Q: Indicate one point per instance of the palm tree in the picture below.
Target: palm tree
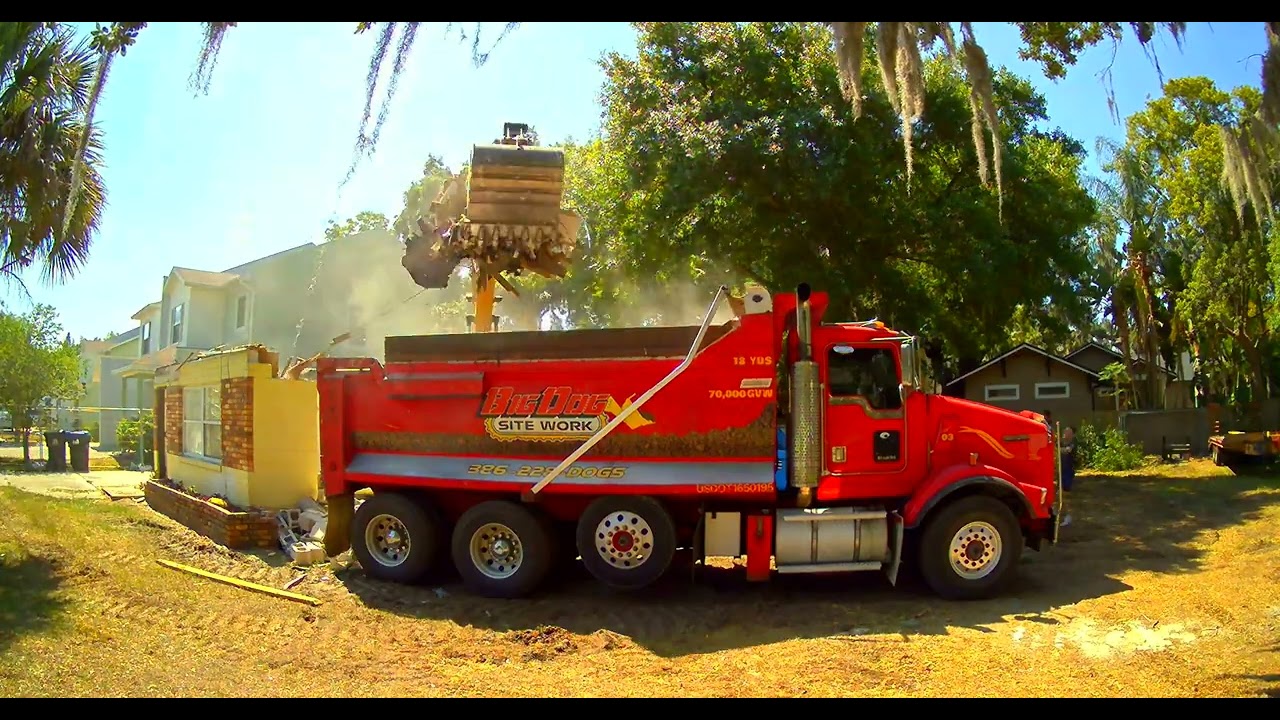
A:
(46, 80)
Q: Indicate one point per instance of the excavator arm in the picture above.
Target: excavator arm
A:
(501, 216)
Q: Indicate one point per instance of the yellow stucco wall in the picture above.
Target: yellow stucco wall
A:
(286, 442)
(286, 436)
(208, 478)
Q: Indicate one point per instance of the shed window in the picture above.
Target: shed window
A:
(202, 422)
(1053, 391)
(1002, 392)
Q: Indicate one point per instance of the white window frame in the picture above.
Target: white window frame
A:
(176, 325)
(1017, 393)
(242, 311)
(1066, 390)
(146, 338)
(205, 395)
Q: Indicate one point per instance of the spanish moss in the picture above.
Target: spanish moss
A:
(849, 42)
(1246, 166)
(402, 55)
(208, 60)
(982, 96)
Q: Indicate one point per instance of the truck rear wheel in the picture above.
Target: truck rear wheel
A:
(626, 542)
(502, 549)
(395, 538)
(970, 548)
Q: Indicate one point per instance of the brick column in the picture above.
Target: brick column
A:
(173, 420)
(237, 423)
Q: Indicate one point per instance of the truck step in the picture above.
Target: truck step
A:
(829, 567)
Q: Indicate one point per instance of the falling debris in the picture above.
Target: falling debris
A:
(301, 532)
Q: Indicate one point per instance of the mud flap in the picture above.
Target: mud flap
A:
(337, 535)
(895, 558)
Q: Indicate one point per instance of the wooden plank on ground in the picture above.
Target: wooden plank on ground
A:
(237, 582)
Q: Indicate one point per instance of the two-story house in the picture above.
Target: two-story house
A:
(296, 302)
(107, 397)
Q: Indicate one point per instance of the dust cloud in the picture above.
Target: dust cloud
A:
(683, 304)
(363, 290)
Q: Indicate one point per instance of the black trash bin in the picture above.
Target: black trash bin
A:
(78, 443)
(55, 441)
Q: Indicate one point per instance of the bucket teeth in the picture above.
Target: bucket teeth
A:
(503, 213)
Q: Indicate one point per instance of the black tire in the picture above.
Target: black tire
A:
(532, 541)
(419, 525)
(945, 523)
(656, 536)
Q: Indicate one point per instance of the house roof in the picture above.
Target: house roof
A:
(246, 266)
(150, 307)
(205, 278)
(125, 337)
(1026, 347)
(1096, 345)
(1160, 363)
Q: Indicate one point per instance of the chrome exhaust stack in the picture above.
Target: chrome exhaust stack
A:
(806, 415)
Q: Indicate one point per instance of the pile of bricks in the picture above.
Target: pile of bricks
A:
(237, 423)
(233, 529)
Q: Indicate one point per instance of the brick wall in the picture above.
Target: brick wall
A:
(237, 423)
(173, 420)
(236, 530)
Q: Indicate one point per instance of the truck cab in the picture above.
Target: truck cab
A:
(866, 432)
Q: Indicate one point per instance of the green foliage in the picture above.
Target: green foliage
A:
(35, 364)
(46, 90)
(1197, 273)
(128, 432)
(95, 431)
(728, 152)
(1108, 449)
(363, 222)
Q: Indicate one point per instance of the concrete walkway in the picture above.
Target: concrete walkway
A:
(114, 484)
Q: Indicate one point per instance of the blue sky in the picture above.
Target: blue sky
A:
(253, 167)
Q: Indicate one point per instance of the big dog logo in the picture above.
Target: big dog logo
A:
(556, 413)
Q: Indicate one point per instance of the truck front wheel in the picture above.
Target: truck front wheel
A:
(502, 549)
(970, 548)
(626, 542)
(395, 538)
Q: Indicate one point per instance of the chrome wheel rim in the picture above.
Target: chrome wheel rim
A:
(496, 551)
(624, 540)
(387, 540)
(975, 550)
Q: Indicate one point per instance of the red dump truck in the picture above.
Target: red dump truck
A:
(805, 446)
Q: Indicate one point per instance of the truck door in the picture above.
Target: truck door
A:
(865, 427)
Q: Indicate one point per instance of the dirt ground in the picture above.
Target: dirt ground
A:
(1166, 584)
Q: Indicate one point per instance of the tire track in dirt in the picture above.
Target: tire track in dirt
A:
(230, 623)
(239, 567)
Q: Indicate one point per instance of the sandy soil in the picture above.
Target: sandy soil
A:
(1166, 584)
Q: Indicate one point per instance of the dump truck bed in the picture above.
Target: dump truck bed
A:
(497, 411)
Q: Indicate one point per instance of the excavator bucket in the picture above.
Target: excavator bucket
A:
(504, 215)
